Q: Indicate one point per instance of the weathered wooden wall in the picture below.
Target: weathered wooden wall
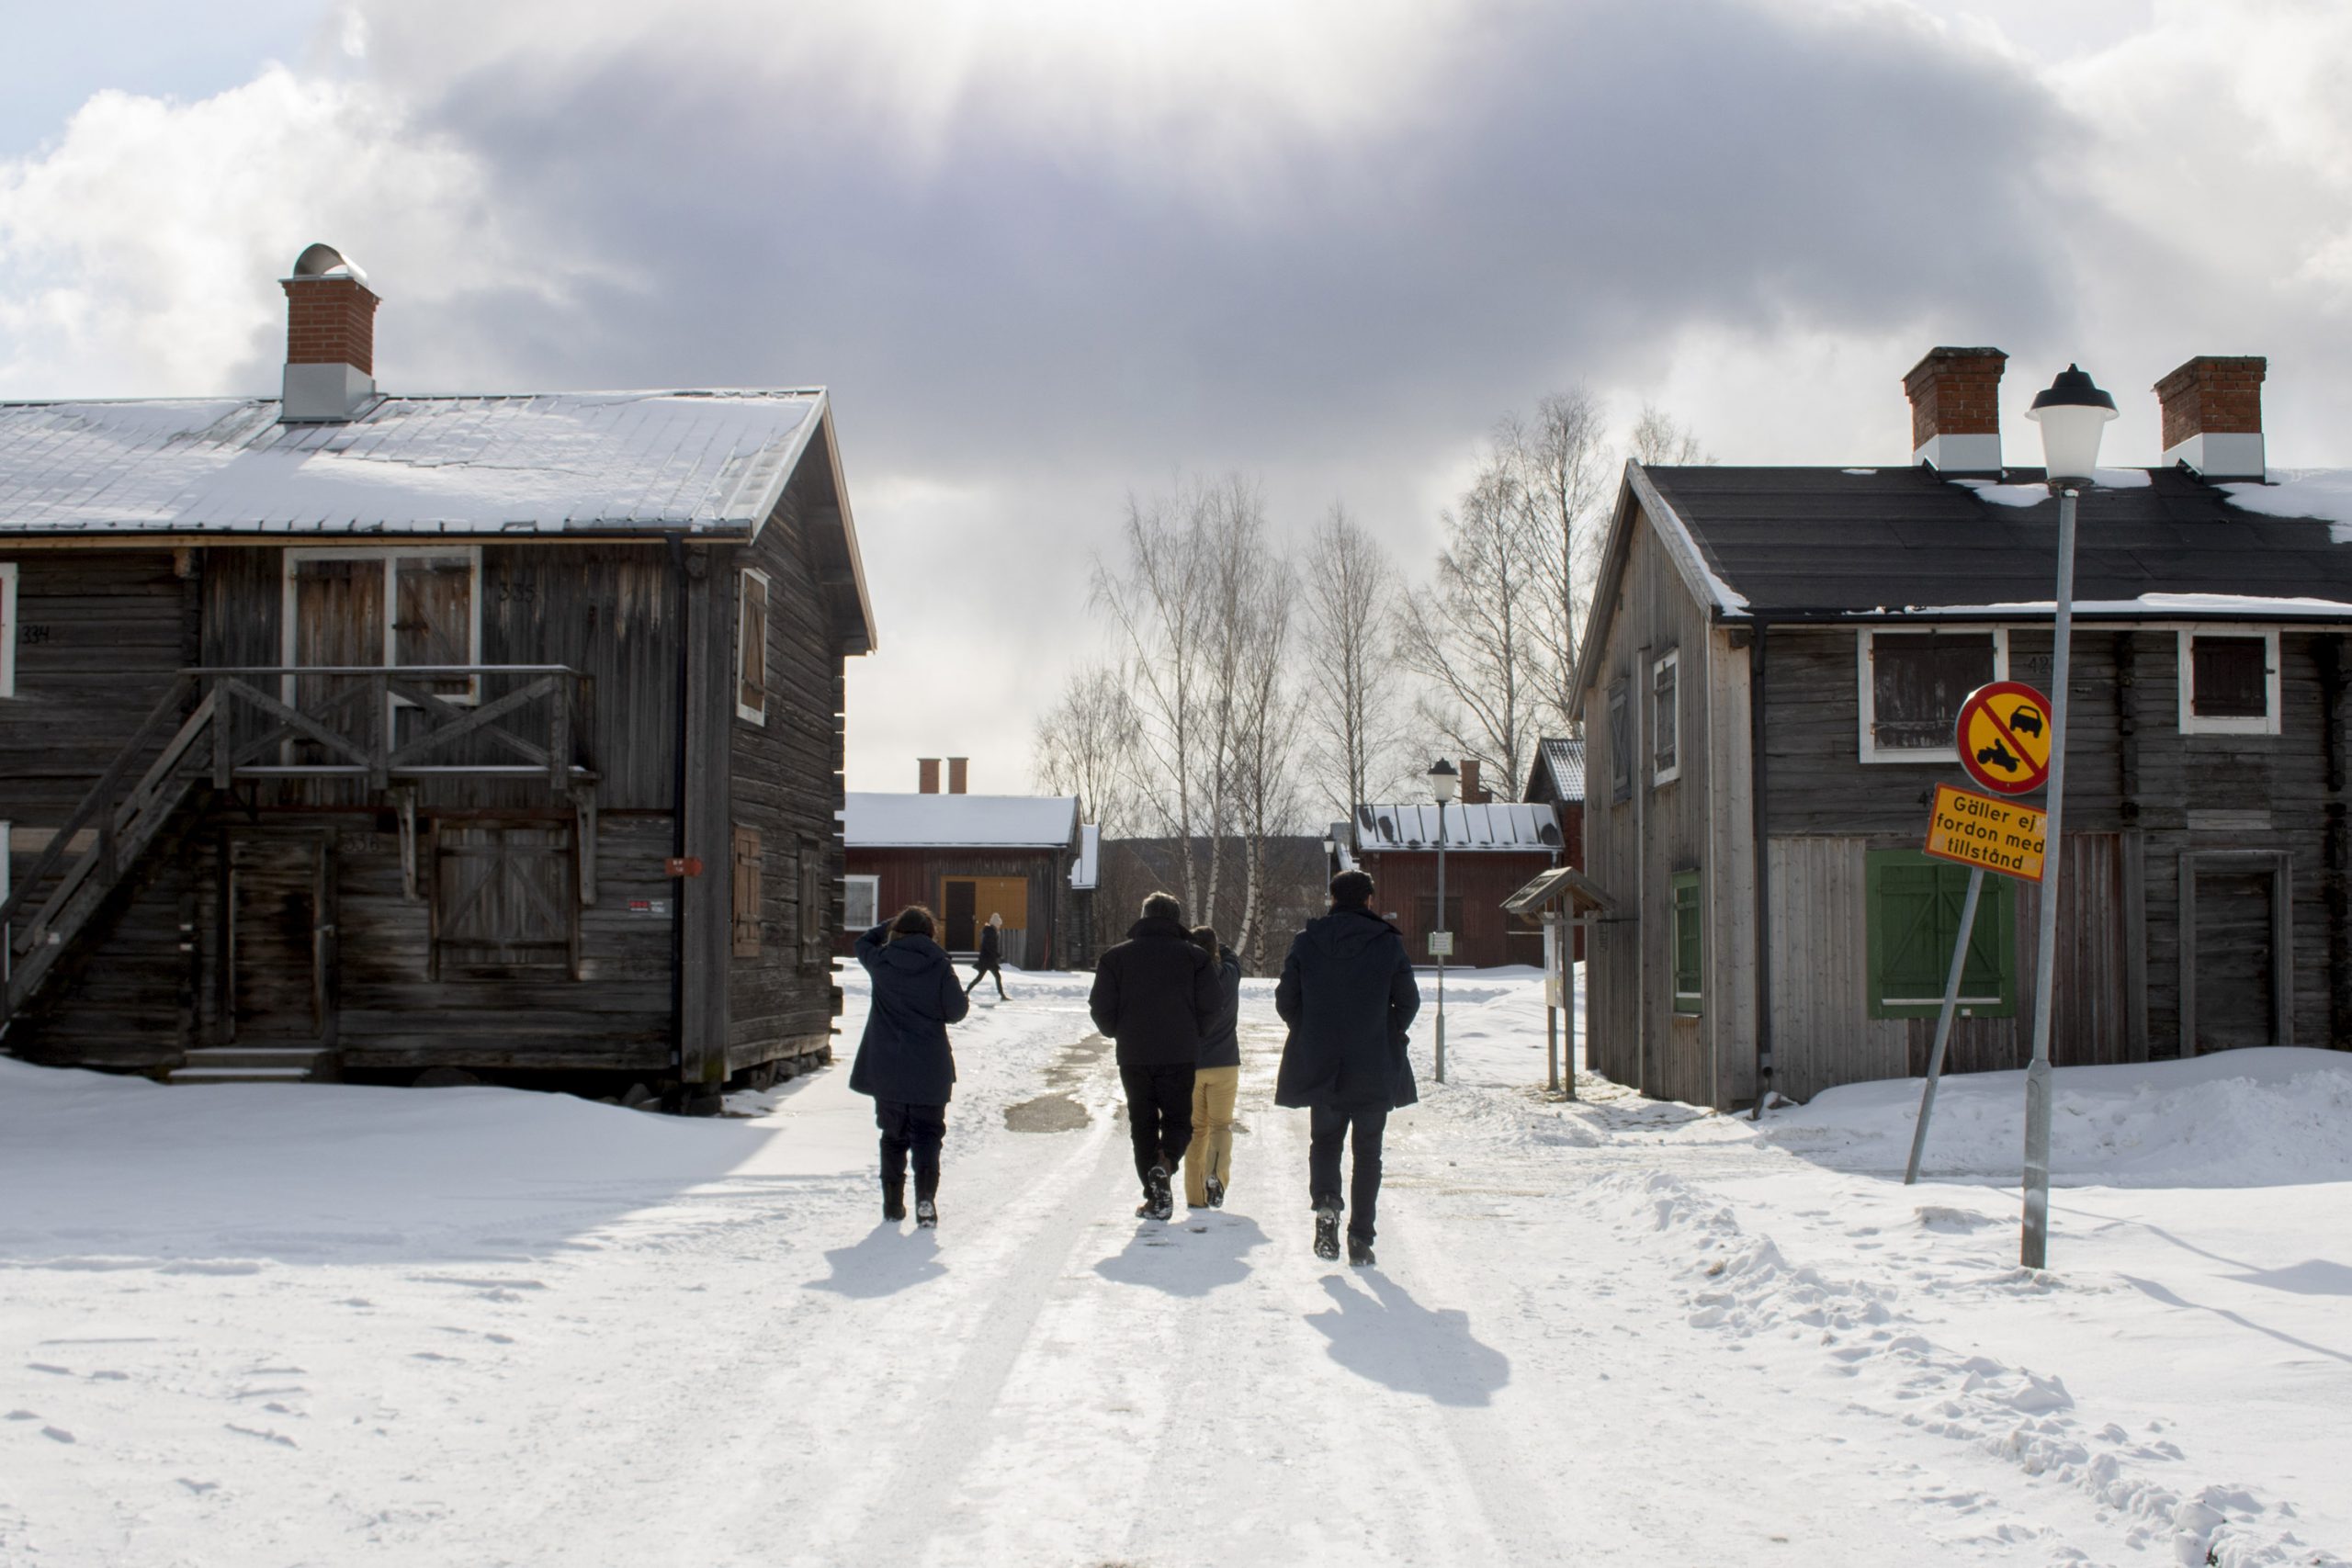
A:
(1694, 822)
(913, 876)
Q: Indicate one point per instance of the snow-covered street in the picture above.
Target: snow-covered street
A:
(263, 1325)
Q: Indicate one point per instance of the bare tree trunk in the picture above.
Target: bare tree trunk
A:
(1350, 600)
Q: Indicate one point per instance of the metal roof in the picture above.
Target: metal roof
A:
(1512, 826)
(1559, 762)
(1869, 540)
(539, 463)
(877, 820)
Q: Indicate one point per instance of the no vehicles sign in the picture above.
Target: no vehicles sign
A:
(2003, 735)
(1997, 835)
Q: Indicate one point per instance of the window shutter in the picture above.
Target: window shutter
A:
(2230, 677)
(747, 892)
(753, 657)
(1688, 949)
(1915, 904)
(1620, 743)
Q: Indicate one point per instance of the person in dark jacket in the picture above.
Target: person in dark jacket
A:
(904, 1061)
(1347, 993)
(991, 960)
(1216, 1078)
(1152, 994)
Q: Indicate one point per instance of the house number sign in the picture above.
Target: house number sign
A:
(2003, 737)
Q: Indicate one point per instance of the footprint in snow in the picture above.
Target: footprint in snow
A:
(198, 1487)
(57, 1434)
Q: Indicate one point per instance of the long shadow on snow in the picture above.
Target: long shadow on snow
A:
(885, 1262)
(1385, 1334)
(1171, 1257)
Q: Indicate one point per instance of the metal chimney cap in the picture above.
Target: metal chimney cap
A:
(319, 260)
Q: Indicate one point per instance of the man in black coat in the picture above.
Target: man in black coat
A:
(1152, 995)
(1347, 992)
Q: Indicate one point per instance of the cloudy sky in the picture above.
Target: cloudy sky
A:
(1047, 253)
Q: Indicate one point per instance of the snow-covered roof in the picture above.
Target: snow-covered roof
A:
(875, 820)
(1086, 871)
(1513, 825)
(1559, 762)
(540, 463)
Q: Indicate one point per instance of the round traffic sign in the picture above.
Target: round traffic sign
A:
(2003, 737)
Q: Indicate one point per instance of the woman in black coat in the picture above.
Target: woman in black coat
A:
(991, 960)
(904, 1061)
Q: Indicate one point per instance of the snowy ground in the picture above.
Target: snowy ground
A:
(317, 1324)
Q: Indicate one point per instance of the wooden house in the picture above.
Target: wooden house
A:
(1768, 689)
(1492, 849)
(344, 733)
(966, 857)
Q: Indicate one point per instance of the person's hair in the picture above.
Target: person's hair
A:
(1164, 906)
(1351, 888)
(1205, 937)
(914, 920)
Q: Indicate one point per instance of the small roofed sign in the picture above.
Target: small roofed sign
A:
(2003, 737)
(1998, 835)
(1440, 944)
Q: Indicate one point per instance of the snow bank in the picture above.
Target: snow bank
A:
(2252, 1117)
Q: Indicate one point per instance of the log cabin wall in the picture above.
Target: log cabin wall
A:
(2141, 795)
(1640, 833)
(785, 796)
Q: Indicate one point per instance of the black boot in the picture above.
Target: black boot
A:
(1327, 1234)
(894, 1200)
(1359, 1251)
(1163, 1196)
(926, 1215)
(1215, 1191)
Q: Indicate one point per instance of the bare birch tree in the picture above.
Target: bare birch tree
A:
(1085, 744)
(1266, 746)
(1235, 560)
(1559, 471)
(1158, 608)
(1348, 601)
(1659, 437)
(1475, 633)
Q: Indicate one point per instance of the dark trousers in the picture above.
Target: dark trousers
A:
(910, 1129)
(982, 973)
(1159, 1116)
(1328, 1127)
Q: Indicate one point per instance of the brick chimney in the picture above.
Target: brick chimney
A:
(958, 773)
(1472, 795)
(2213, 409)
(330, 339)
(928, 767)
(1956, 410)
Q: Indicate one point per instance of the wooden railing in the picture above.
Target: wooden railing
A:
(374, 724)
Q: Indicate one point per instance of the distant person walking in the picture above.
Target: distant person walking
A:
(1347, 993)
(904, 1061)
(992, 956)
(1153, 993)
(1216, 1078)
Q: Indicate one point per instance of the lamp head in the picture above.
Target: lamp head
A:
(2073, 413)
(1444, 782)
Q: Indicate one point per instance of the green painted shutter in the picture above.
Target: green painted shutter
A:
(1916, 903)
(1689, 953)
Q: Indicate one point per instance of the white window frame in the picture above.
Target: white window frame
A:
(1671, 658)
(8, 630)
(2191, 723)
(1869, 750)
(874, 885)
(743, 579)
(389, 555)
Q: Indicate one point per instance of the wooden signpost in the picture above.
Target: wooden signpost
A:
(2003, 737)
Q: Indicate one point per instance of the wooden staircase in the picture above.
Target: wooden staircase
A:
(121, 816)
(249, 1064)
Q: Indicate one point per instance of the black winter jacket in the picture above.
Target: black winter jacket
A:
(1220, 1044)
(904, 1055)
(1347, 992)
(988, 950)
(1153, 993)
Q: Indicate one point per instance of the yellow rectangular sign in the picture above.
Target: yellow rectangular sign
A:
(1976, 830)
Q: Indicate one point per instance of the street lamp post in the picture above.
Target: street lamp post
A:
(1443, 784)
(2073, 414)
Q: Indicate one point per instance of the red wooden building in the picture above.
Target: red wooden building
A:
(966, 857)
(1492, 849)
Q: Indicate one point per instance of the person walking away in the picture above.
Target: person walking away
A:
(904, 1060)
(1216, 1080)
(1348, 994)
(1152, 996)
(992, 956)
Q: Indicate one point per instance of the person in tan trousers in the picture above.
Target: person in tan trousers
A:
(1208, 1163)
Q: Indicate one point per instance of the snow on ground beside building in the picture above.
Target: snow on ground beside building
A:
(313, 1324)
